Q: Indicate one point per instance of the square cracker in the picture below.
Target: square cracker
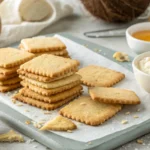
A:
(50, 65)
(43, 78)
(57, 53)
(7, 77)
(48, 92)
(113, 95)
(10, 81)
(90, 112)
(59, 124)
(99, 76)
(43, 105)
(51, 99)
(11, 57)
(8, 71)
(54, 84)
(6, 88)
(46, 44)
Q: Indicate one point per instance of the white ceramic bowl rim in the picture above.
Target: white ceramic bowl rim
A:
(137, 25)
(135, 59)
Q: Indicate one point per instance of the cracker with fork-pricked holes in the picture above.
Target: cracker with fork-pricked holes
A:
(43, 105)
(11, 57)
(54, 84)
(10, 81)
(90, 112)
(53, 98)
(6, 88)
(59, 124)
(99, 76)
(50, 65)
(46, 44)
(113, 95)
(43, 78)
(48, 92)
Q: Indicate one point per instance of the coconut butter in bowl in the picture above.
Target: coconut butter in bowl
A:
(138, 37)
(141, 69)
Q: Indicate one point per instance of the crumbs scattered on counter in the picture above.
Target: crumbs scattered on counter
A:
(124, 121)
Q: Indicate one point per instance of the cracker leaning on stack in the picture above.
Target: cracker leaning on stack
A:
(44, 45)
(10, 60)
(49, 81)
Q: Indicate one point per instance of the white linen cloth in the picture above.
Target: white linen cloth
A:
(14, 29)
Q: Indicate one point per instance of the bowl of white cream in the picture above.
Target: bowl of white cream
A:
(141, 69)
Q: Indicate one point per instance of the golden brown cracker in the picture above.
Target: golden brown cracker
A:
(54, 84)
(6, 77)
(43, 78)
(114, 95)
(7, 88)
(50, 65)
(48, 92)
(53, 98)
(11, 57)
(90, 112)
(57, 53)
(10, 81)
(99, 76)
(8, 71)
(46, 44)
(59, 124)
(43, 105)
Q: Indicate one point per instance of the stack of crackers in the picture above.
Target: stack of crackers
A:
(10, 60)
(44, 45)
(49, 81)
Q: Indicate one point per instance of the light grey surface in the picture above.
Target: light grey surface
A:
(77, 26)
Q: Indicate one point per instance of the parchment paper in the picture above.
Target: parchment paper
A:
(86, 133)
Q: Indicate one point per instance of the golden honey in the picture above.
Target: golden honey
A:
(142, 35)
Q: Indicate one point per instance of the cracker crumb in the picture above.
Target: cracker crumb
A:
(27, 110)
(120, 56)
(19, 105)
(41, 122)
(27, 122)
(124, 121)
(139, 141)
(89, 143)
(36, 125)
(14, 101)
(47, 112)
(139, 109)
(69, 131)
(135, 116)
(86, 45)
(128, 113)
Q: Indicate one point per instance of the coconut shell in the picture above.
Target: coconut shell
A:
(116, 10)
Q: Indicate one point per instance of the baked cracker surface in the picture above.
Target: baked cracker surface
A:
(10, 81)
(43, 105)
(50, 65)
(11, 57)
(54, 84)
(59, 124)
(46, 44)
(48, 92)
(113, 95)
(53, 98)
(6, 88)
(90, 112)
(43, 78)
(99, 76)
(8, 71)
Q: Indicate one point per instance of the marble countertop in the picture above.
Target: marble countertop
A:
(77, 26)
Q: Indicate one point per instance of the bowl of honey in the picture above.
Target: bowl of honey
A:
(138, 37)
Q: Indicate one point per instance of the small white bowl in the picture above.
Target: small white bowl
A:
(138, 46)
(142, 78)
